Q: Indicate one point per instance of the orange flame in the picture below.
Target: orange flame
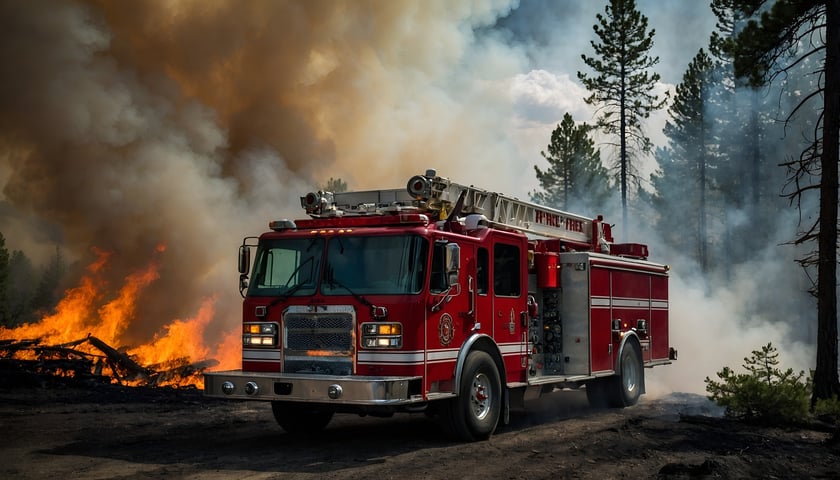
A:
(85, 311)
(177, 340)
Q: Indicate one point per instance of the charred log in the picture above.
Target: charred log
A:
(121, 362)
(88, 360)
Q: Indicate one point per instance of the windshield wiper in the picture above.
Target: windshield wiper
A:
(332, 282)
(289, 291)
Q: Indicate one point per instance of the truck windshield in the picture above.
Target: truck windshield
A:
(287, 267)
(375, 265)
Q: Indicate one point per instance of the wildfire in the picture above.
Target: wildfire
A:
(86, 311)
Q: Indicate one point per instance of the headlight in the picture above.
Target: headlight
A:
(259, 335)
(381, 335)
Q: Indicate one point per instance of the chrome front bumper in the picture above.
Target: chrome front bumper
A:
(310, 388)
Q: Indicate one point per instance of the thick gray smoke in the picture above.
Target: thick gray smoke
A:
(125, 125)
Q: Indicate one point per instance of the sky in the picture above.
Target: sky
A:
(125, 125)
(555, 33)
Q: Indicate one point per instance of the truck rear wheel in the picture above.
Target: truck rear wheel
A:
(622, 389)
(300, 417)
(474, 414)
(628, 384)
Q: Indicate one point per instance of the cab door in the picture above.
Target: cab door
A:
(483, 309)
(509, 291)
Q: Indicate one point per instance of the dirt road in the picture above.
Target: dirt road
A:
(92, 433)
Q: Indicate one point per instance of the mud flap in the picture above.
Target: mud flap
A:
(506, 407)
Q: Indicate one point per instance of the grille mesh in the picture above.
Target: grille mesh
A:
(318, 343)
(331, 332)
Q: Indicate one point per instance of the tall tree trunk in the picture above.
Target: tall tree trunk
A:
(826, 383)
(704, 234)
(755, 215)
(623, 154)
(755, 153)
(567, 184)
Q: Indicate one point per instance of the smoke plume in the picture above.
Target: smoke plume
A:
(127, 125)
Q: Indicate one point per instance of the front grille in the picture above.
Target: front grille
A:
(319, 342)
(311, 331)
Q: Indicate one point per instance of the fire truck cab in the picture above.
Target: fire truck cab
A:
(441, 298)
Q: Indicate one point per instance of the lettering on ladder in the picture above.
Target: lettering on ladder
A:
(558, 221)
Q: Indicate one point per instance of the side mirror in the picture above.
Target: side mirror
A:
(453, 262)
(244, 259)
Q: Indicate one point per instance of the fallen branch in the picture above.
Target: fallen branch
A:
(121, 360)
(30, 359)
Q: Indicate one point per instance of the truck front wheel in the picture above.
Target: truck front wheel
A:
(474, 414)
(300, 417)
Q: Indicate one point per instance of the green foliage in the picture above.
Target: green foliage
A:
(26, 293)
(828, 409)
(335, 185)
(690, 158)
(19, 304)
(777, 44)
(764, 393)
(771, 35)
(575, 173)
(623, 81)
(622, 87)
(48, 292)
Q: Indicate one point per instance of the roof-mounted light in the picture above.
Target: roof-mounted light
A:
(282, 225)
(396, 208)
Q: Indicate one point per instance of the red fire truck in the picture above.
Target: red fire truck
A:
(441, 298)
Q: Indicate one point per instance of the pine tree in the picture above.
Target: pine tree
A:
(335, 185)
(622, 87)
(575, 173)
(47, 293)
(745, 177)
(765, 392)
(784, 36)
(691, 152)
(21, 290)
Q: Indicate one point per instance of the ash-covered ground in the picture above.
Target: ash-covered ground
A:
(103, 431)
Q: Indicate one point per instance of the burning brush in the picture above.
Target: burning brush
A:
(90, 359)
(76, 341)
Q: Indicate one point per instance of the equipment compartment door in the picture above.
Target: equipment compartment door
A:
(659, 334)
(600, 330)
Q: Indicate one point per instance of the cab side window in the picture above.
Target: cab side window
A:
(506, 270)
(437, 279)
(482, 271)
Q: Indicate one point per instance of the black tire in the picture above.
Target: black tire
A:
(596, 392)
(474, 413)
(629, 383)
(301, 418)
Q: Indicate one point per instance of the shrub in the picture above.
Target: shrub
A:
(828, 410)
(764, 393)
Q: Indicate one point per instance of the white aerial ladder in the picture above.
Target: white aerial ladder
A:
(440, 196)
